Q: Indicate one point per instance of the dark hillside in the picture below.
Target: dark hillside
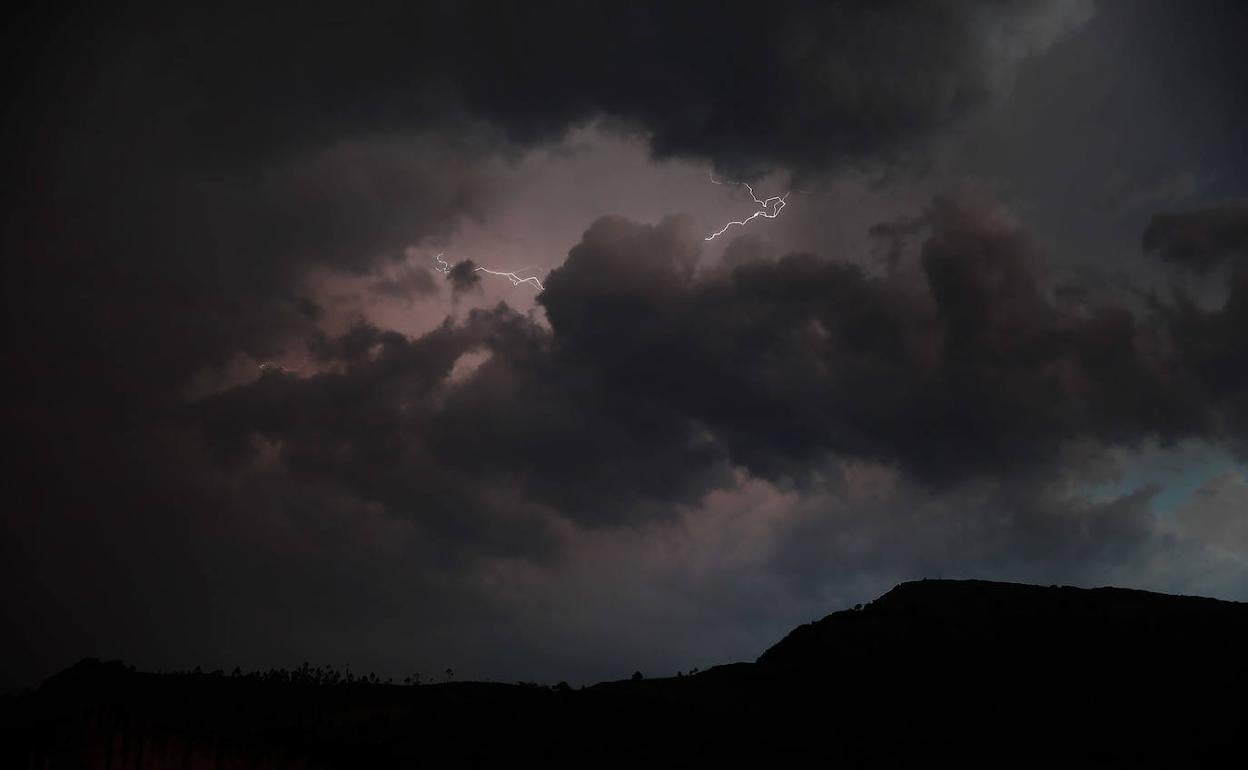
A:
(951, 628)
(969, 671)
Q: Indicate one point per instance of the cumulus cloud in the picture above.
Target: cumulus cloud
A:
(228, 158)
(652, 384)
(964, 366)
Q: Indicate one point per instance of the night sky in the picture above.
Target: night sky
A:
(998, 328)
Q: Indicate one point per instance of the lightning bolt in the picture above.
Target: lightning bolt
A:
(769, 208)
(445, 268)
(515, 279)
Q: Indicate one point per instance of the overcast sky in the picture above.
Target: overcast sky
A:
(995, 330)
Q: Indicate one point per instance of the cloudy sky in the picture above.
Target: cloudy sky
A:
(995, 330)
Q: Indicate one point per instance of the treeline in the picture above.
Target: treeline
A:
(305, 674)
(330, 676)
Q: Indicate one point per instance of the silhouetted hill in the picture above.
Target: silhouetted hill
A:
(965, 671)
(930, 626)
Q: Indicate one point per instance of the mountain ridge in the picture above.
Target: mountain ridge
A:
(970, 671)
(962, 610)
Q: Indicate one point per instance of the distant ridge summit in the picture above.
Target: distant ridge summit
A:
(929, 625)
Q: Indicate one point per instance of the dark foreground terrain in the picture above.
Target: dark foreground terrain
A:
(969, 671)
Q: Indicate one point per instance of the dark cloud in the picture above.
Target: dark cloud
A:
(464, 277)
(146, 273)
(653, 391)
(1201, 240)
(180, 175)
(373, 429)
(409, 283)
(183, 169)
(965, 367)
(802, 83)
(1207, 339)
(651, 383)
(524, 429)
(1211, 346)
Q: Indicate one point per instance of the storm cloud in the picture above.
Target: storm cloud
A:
(249, 417)
(652, 382)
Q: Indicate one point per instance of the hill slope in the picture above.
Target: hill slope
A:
(931, 625)
(970, 671)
